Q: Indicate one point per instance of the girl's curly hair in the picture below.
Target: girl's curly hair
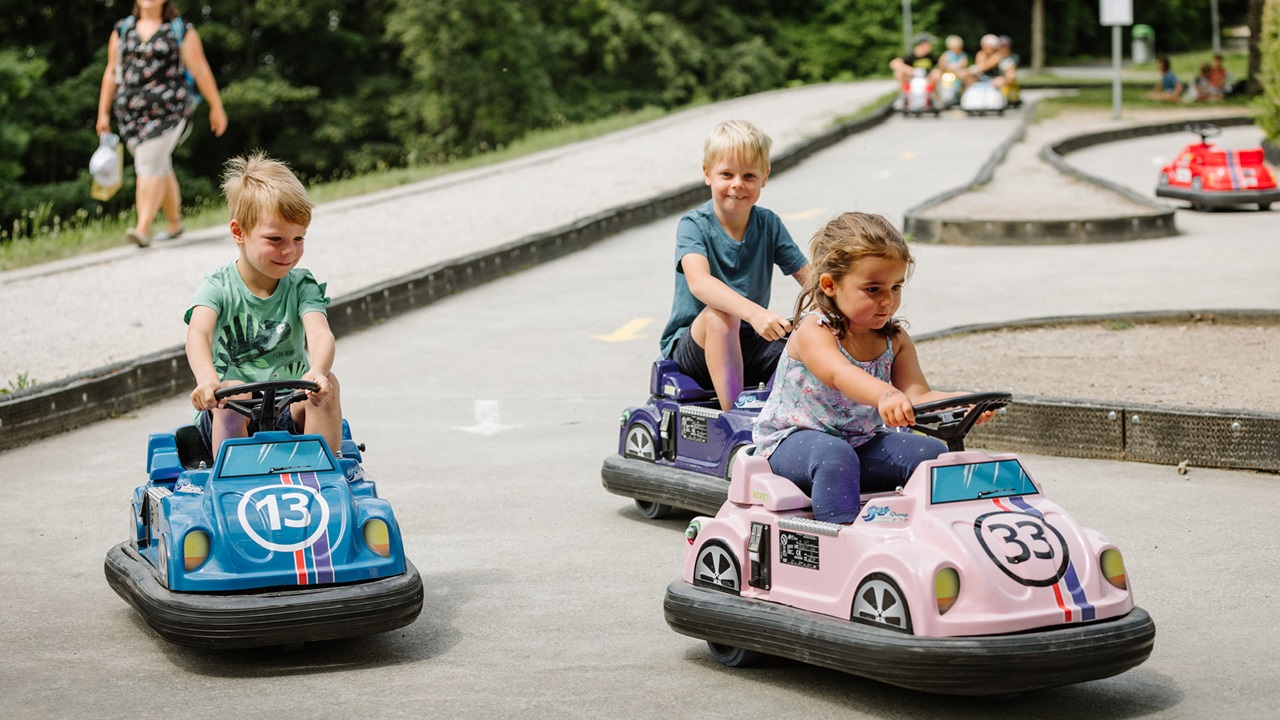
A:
(836, 248)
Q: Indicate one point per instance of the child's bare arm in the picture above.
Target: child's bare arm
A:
(714, 293)
(909, 377)
(817, 348)
(321, 348)
(200, 357)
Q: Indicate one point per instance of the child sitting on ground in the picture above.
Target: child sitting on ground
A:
(721, 332)
(1168, 88)
(261, 317)
(848, 368)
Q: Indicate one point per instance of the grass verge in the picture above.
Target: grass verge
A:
(85, 234)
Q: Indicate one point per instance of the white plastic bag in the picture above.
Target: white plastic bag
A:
(107, 167)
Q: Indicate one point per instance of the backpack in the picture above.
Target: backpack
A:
(179, 32)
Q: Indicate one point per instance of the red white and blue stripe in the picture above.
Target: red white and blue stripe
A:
(313, 564)
(1074, 604)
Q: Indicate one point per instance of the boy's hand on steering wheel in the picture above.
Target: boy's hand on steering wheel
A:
(320, 396)
(895, 409)
(202, 397)
(771, 326)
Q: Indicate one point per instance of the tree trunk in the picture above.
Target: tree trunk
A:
(1037, 37)
(1254, 85)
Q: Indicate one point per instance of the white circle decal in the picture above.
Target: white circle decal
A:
(284, 506)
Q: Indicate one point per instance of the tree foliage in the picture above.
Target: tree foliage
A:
(338, 87)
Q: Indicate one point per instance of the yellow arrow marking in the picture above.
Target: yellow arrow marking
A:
(908, 155)
(630, 331)
(804, 214)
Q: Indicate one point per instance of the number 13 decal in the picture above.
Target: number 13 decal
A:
(1025, 546)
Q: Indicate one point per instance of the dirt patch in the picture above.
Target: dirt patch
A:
(1210, 363)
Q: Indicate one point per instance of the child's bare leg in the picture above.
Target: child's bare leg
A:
(324, 420)
(226, 424)
(717, 333)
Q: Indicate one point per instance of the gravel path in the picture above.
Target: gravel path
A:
(1206, 364)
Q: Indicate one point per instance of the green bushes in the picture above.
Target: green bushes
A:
(1267, 105)
(343, 87)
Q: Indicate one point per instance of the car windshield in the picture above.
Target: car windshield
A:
(979, 481)
(276, 457)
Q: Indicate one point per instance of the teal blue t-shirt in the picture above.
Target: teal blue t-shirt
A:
(257, 339)
(745, 266)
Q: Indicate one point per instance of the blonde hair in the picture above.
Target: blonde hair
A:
(256, 185)
(740, 140)
(954, 40)
(836, 248)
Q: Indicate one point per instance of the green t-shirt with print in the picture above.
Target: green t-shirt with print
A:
(257, 339)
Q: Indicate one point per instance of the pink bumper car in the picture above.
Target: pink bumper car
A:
(965, 581)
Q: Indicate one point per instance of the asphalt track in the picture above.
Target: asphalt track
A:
(487, 416)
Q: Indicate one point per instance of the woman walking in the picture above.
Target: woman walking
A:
(145, 84)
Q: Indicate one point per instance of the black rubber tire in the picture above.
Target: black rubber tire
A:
(653, 510)
(730, 656)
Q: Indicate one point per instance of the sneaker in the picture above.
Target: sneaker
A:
(137, 238)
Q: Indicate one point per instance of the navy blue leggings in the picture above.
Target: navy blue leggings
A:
(834, 474)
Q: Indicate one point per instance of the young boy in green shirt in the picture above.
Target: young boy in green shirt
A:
(261, 317)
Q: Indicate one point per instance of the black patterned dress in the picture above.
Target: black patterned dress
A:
(153, 96)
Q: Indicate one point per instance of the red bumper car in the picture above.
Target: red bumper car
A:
(1206, 176)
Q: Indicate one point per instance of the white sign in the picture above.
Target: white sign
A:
(1116, 12)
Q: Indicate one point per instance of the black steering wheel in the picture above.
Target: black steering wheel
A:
(950, 419)
(1204, 130)
(264, 407)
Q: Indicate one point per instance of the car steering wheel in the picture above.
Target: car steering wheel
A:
(951, 419)
(264, 407)
(1204, 130)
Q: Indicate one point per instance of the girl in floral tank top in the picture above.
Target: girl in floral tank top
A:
(826, 425)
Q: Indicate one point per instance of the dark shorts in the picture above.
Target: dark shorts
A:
(205, 423)
(759, 358)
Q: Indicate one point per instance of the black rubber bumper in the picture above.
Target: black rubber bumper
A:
(992, 665)
(278, 617)
(652, 482)
(1219, 199)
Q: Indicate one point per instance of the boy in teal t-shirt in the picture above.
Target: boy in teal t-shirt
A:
(261, 317)
(721, 331)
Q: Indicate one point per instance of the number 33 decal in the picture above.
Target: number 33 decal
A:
(1026, 547)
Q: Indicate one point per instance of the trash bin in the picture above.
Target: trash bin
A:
(1144, 43)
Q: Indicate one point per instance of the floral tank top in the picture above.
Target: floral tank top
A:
(153, 96)
(800, 401)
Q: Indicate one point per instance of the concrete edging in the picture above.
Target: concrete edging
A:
(1116, 430)
(994, 231)
(34, 413)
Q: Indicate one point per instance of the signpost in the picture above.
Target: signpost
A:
(1117, 14)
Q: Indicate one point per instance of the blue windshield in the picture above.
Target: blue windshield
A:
(979, 481)
(274, 458)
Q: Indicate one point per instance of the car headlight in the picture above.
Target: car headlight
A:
(691, 532)
(1113, 568)
(195, 549)
(377, 537)
(946, 586)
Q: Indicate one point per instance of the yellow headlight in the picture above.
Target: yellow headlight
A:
(195, 549)
(946, 585)
(377, 537)
(1113, 568)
